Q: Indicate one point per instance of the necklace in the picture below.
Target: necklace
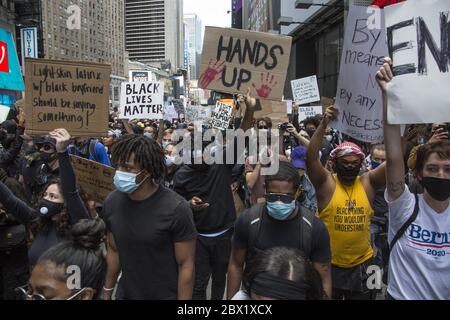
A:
(351, 204)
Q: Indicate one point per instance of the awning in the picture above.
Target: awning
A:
(10, 73)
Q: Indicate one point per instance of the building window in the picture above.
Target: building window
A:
(328, 55)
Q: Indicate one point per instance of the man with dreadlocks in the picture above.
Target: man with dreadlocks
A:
(151, 233)
(344, 202)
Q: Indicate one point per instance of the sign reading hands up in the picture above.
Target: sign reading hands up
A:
(235, 60)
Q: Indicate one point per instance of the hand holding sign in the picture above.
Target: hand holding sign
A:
(214, 69)
(330, 114)
(62, 138)
(384, 75)
(266, 86)
(21, 117)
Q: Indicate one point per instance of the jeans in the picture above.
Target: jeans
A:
(380, 246)
(211, 261)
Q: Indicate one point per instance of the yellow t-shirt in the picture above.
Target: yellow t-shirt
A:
(349, 228)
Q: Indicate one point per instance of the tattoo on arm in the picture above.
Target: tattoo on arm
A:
(396, 186)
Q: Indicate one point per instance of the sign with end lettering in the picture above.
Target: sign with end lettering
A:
(305, 90)
(306, 112)
(198, 114)
(64, 94)
(418, 37)
(358, 96)
(234, 60)
(142, 100)
(97, 180)
(222, 116)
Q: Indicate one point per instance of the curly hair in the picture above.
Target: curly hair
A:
(62, 219)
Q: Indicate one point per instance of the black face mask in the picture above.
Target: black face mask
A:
(347, 174)
(310, 132)
(47, 157)
(439, 189)
(3, 135)
(48, 209)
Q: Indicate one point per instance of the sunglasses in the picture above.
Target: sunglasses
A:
(22, 293)
(47, 147)
(262, 128)
(275, 197)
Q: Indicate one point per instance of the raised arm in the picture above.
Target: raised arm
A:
(75, 205)
(8, 156)
(395, 167)
(316, 172)
(21, 211)
(250, 103)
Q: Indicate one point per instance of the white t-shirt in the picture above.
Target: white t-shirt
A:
(419, 266)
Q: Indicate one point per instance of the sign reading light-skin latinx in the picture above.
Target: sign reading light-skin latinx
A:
(235, 60)
(65, 94)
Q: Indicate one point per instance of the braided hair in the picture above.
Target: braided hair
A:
(147, 153)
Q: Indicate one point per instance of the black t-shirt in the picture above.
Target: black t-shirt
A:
(213, 186)
(380, 205)
(145, 233)
(275, 233)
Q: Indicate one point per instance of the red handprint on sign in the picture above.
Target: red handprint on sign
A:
(214, 69)
(266, 85)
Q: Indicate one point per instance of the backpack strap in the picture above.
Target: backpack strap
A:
(306, 223)
(92, 149)
(406, 225)
(255, 213)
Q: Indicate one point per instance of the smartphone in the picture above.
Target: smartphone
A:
(444, 128)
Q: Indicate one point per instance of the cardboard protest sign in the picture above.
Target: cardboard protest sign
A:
(306, 112)
(418, 37)
(275, 110)
(305, 90)
(234, 60)
(64, 94)
(97, 180)
(221, 116)
(358, 96)
(170, 113)
(142, 100)
(197, 114)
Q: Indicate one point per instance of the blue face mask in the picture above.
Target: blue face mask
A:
(165, 145)
(375, 164)
(279, 210)
(126, 182)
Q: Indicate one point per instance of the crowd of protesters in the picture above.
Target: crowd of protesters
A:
(315, 229)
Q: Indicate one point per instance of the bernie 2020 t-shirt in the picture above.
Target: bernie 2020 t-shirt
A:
(419, 266)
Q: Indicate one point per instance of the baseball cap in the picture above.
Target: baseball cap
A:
(298, 157)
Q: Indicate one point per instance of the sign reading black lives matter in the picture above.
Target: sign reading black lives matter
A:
(234, 60)
(142, 100)
(64, 94)
(358, 96)
(221, 116)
